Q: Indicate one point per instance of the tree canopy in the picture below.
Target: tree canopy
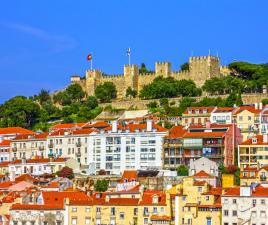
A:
(101, 185)
(106, 92)
(169, 87)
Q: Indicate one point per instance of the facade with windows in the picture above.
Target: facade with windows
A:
(196, 115)
(28, 146)
(253, 152)
(5, 151)
(245, 205)
(126, 147)
(222, 115)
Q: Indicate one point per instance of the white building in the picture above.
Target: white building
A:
(245, 205)
(40, 166)
(222, 115)
(203, 164)
(126, 147)
(28, 146)
(4, 150)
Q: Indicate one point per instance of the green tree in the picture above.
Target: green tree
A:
(106, 92)
(92, 102)
(101, 185)
(131, 92)
(62, 98)
(182, 170)
(75, 92)
(265, 101)
(185, 66)
(19, 111)
(43, 96)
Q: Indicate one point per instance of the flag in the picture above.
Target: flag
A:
(89, 57)
(128, 52)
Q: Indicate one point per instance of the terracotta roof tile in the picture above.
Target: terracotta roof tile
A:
(259, 141)
(176, 132)
(15, 130)
(203, 134)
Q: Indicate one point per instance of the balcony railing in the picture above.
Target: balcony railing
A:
(78, 154)
(78, 144)
(263, 178)
(41, 148)
(14, 149)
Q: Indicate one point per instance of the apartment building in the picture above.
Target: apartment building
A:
(196, 115)
(28, 146)
(253, 152)
(197, 203)
(122, 147)
(222, 115)
(40, 166)
(213, 141)
(70, 143)
(173, 148)
(4, 150)
(245, 205)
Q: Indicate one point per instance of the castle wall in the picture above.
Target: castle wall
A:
(200, 69)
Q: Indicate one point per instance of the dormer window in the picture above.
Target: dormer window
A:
(155, 199)
(254, 140)
(205, 111)
(98, 195)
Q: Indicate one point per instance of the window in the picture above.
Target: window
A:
(207, 198)
(249, 118)
(74, 220)
(209, 221)
(234, 201)
(240, 118)
(145, 221)
(87, 209)
(234, 213)
(155, 210)
(263, 214)
(253, 202)
(199, 189)
(226, 213)
(74, 209)
(87, 220)
(113, 211)
(263, 201)
(122, 215)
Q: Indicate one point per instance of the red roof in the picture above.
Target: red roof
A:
(32, 136)
(259, 141)
(5, 143)
(123, 201)
(25, 177)
(67, 125)
(248, 108)
(147, 198)
(201, 173)
(4, 164)
(139, 127)
(223, 109)
(6, 184)
(160, 218)
(203, 134)
(129, 175)
(98, 124)
(176, 132)
(209, 109)
(15, 130)
(258, 192)
(42, 160)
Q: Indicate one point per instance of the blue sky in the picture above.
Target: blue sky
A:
(42, 43)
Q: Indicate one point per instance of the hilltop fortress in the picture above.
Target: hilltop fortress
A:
(201, 68)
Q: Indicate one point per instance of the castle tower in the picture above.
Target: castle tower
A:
(162, 69)
(93, 78)
(131, 74)
(203, 68)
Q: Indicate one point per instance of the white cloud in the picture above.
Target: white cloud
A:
(58, 43)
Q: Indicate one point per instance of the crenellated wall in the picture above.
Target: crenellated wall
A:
(201, 68)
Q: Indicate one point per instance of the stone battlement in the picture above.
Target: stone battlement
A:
(201, 68)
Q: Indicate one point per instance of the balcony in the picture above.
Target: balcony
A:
(213, 156)
(78, 144)
(14, 149)
(263, 178)
(42, 148)
(50, 145)
(50, 155)
(78, 154)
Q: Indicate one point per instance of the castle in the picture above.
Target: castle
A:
(201, 68)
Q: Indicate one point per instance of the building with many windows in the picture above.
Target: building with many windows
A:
(253, 152)
(196, 115)
(245, 205)
(122, 147)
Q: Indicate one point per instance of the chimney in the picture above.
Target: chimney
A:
(265, 138)
(245, 191)
(256, 105)
(260, 105)
(114, 126)
(149, 125)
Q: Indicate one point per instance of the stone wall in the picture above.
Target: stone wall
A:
(142, 104)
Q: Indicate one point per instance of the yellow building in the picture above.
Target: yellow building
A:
(125, 207)
(196, 115)
(247, 120)
(227, 180)
(253, 152)
(197, 203)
